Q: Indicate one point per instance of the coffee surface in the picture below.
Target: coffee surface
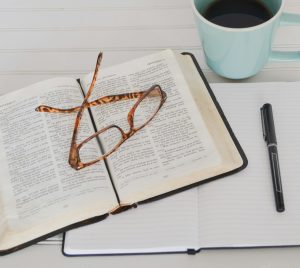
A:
(237, 13)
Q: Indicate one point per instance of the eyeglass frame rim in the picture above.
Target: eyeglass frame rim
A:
(74, 157)
(125, 135)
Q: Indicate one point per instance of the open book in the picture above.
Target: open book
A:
(233, 213)
(188, 142)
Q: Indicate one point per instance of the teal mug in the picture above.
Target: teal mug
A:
(238, 53)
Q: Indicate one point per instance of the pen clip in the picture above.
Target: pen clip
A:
(263, 123)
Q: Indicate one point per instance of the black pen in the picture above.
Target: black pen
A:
(270, 138)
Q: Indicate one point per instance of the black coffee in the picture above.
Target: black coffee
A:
(237, 13)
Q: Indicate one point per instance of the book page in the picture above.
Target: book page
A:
(40, 192)
(53, 240)
(240, 211)
(175, 144)
(3, 224)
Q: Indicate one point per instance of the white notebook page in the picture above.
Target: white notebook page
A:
(240, 210)
(166, 225)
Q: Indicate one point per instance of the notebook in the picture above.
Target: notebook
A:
(236, 212)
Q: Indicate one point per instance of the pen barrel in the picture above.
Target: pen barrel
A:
(276, 177)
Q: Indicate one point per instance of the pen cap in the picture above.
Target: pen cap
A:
(268, 123)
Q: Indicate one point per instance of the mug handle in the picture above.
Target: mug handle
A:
(287, 19)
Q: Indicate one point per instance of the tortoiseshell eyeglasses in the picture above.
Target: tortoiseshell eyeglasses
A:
(142, 112)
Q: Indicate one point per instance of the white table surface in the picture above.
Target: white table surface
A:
(45, 39)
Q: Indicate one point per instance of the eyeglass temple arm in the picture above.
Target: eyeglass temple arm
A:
(73, 153)
(103, 100)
